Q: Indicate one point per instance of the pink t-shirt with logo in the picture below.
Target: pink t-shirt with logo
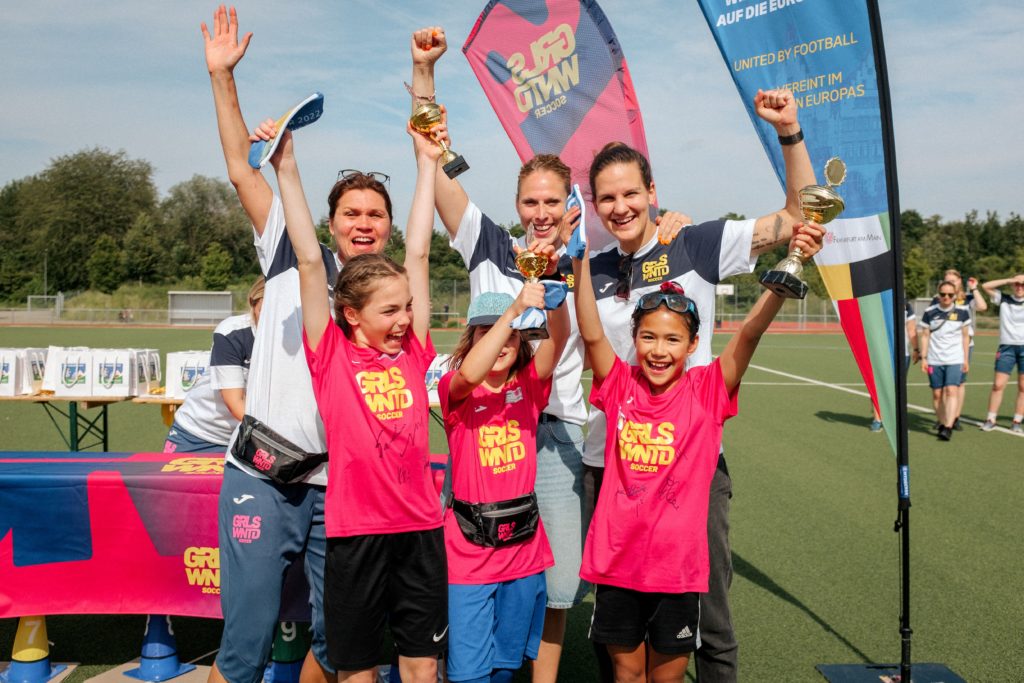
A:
(649, 531)
(493, 441)
(375, 413)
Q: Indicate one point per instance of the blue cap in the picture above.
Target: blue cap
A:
(488, 307)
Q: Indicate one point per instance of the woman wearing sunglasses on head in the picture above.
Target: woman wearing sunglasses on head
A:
(647, 547)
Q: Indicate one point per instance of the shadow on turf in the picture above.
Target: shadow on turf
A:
(915, 421)
(759, 578)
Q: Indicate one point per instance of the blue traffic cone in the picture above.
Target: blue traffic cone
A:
(291, 642)
(159, 661)
(30, 659)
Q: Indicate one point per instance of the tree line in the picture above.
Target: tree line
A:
(94, 220)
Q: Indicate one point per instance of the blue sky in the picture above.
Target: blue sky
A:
(131, 76)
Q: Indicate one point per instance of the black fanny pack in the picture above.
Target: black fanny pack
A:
(272, 455)
(494, 525)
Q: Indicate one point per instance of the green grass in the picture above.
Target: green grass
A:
(816, 560)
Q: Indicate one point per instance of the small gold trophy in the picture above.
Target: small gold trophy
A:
(424, 117)
(532, 266)
(819, 204)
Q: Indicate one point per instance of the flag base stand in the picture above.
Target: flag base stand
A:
(887, 673)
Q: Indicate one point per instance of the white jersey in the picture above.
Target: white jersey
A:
(487, 251)
(280, 392)
(1011, 318)
(697, 259)
(204, 414)
(945, 339)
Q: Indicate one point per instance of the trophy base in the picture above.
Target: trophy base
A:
(456, 167)
(784, 284)
(534, 334)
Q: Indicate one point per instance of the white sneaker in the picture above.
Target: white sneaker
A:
(1016, 428)
(988, 426)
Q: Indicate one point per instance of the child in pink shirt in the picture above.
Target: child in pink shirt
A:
(385, 548)
(492, 400)
(647, 549)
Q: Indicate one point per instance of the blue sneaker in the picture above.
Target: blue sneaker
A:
(876, 426)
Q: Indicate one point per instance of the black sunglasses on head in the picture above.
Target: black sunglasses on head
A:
(624, 279)
(346, 173)
(680, 303)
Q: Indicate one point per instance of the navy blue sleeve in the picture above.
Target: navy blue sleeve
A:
(494, 244)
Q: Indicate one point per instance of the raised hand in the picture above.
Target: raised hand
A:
(223, 51)
(266, 131)
(808, 238)
(568, 224)
(530, 296)
(426, 144)
(777, 107)
(427, 45)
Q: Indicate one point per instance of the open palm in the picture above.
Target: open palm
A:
(223, 51)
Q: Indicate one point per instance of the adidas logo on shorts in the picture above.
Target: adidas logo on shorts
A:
(685, 633)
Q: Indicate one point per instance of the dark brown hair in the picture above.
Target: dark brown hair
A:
(465, 343)
(618, 153)
(546, 162)
(357, 181)
(357, 282)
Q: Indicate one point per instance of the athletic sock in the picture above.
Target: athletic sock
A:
(991, 417)
(1018, 418)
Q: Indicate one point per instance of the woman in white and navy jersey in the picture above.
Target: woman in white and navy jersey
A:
(216, 403)
(1011, 348)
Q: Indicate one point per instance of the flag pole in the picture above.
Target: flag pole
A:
(902, 525)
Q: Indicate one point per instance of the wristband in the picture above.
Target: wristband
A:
(421, 98)
(791, 139)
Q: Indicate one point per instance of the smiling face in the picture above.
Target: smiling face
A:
(947, 294)
(663, 343)
(361, 224)
(506, 360)
(383, 321)
(623, 203)
(541, 202)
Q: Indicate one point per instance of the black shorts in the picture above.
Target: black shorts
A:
(666, 621)
(377, 580)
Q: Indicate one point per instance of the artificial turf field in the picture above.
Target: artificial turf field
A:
(816, 560)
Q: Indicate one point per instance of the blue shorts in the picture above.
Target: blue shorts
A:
(494, 626)
(180, 441)
(1007, 356)
(262, 528)
(940, 376)
(559, 488)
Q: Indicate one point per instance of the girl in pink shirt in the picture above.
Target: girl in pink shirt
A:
(386, 560)
(497, 550)
(646, 549)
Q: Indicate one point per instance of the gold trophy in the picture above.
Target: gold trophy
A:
(424, 117)
(818, 204)
(532, 266)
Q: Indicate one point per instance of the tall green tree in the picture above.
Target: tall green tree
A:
(79, 198)
(201, 211)
(216, 267)
(105, 266)
(143, 256)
